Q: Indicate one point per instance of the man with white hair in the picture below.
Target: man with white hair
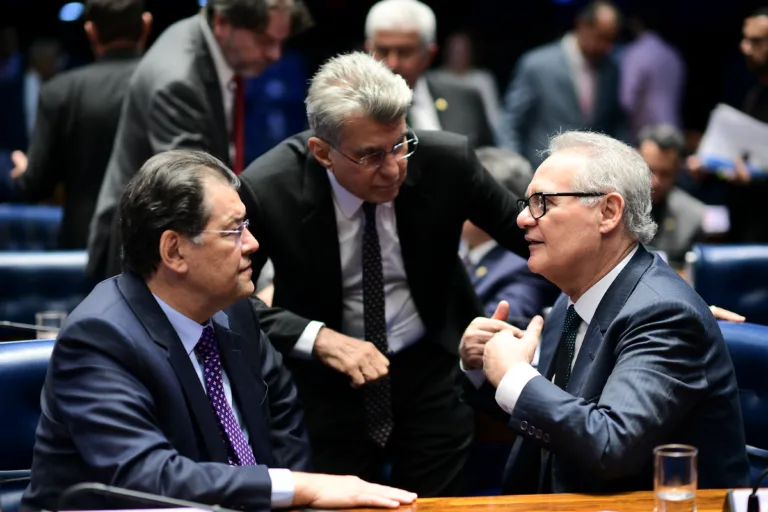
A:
(631, 357)
(362, 217)
(401, 33)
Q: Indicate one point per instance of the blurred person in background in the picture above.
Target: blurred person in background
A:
(188, 92)
(678, 214)
(78, 116)
(652, 76)
(497, 273)
(459, 64)
(44, 55)
(401, 33)
(568, 84)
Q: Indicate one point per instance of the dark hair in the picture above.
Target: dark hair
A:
(511, 170)
(254, 14)
(116, 20)
(665, 136)
(588, 14)
(168, 192)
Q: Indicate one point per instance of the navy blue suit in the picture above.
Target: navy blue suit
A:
(503, 275)
(122, 405)
(653, 369)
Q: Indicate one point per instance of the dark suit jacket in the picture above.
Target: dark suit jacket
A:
(173, 101)
(76, 122)
(122, 405)
(464, 112)
(542, 101)
(653, 369)
(290, 205)
(502, 275)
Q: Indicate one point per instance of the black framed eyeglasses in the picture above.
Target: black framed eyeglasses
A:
(537, 203)
(374, 161)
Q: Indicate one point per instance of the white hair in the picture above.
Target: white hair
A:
(351, 85)
(613, 167)
(402, 16)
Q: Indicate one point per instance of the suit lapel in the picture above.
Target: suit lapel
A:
(550, 338)
(321, 235)
(567, 67)
(610, 306)
(248, 392)
(148, 312)
(207, 69)
(602, 91)
(438, 95)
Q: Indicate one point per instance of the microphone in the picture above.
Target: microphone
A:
(138, 496)
(753, 502)
(30, 327)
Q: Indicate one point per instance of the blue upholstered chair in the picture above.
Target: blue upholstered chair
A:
(41, 281)
(23, 365)
(29, 227)
(734, 277)
(748, 345)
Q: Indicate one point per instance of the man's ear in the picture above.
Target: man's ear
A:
(431, 51)
(612, 212)
(173, 249)
(321, 150)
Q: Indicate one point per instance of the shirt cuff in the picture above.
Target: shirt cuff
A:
(282, 487)
(476, 377)
(511, 386)
(306, 343)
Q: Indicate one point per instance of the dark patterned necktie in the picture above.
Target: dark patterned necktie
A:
(238, 450)
(567, 347)
(377, 396)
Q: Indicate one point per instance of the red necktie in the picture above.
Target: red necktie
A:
(238, 125)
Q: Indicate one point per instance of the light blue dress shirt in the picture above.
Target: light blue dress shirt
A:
(189, 333)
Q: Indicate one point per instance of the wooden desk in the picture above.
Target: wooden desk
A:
(706, 501)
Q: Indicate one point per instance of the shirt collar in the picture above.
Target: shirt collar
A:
(572, 50)
(477, 253)
(223, 71)
(347, 201)
(588, 303)
(188, 330)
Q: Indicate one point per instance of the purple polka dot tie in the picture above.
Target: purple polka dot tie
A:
(238, 450)
(377, 398)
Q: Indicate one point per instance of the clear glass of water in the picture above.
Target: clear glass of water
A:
(675, 477)
(51, 322)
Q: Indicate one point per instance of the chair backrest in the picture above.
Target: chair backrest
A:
(41, 281)
(29, 227)
(748, 345)
(734, 277)
(23, 365)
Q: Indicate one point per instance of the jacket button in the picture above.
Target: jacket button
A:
(523, 425)
(545, 438)
(531, 430)
(538, 433)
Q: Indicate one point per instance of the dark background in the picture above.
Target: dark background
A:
(707, 32)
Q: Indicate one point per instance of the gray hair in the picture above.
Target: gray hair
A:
(402, 16)
(665, 136)
(613, 167)
(354, 84)
(511, 170)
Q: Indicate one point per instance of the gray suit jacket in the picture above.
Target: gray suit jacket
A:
(653, 369)
(464, 112)
(681, 225)
(174, 101)
(542, 101)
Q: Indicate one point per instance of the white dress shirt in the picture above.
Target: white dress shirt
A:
(404, 325)
(226, 76)
(422, 113)
(189, 333)
(478, 252)
(511, 386)
(583, 74)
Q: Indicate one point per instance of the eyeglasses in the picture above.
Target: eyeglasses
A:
(537, 203)
(374, 161)
(237, 233)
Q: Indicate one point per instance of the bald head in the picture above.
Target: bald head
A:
(597, 27)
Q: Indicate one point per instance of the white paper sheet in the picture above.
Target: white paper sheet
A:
(731, 133)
